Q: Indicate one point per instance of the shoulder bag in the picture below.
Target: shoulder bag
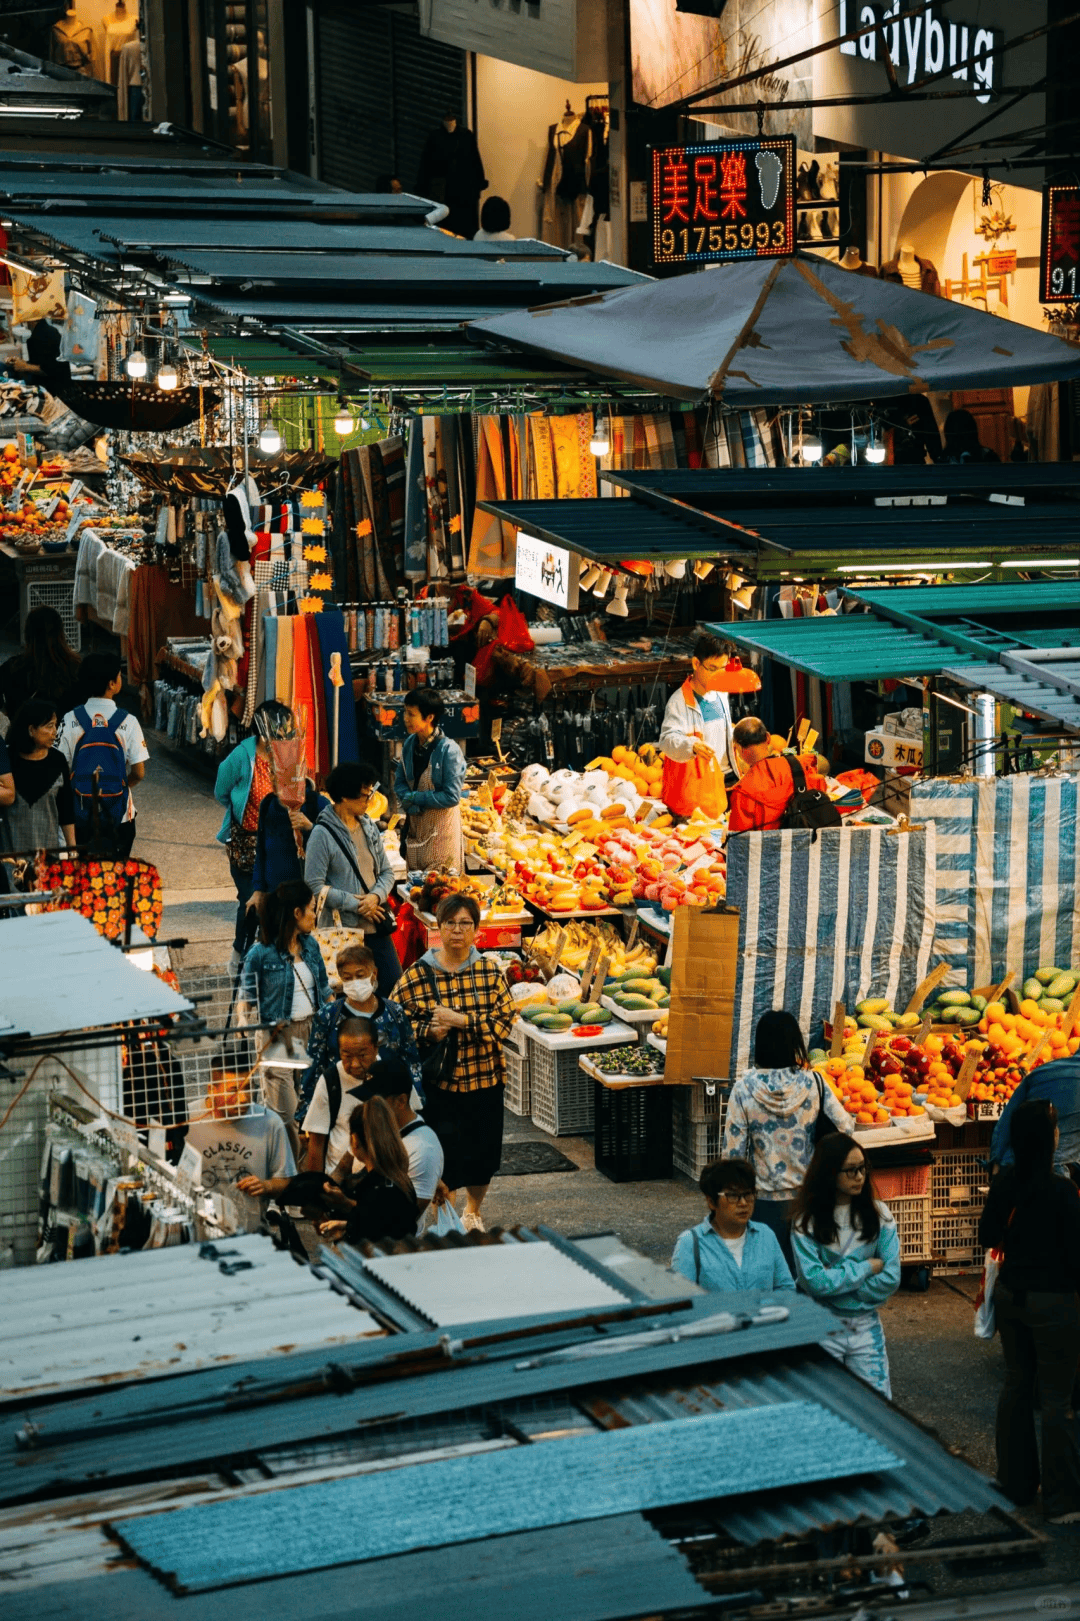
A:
(384, 925)
(438, 1059)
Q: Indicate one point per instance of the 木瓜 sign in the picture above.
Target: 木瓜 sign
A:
(1059, 265)
(546, 571)
(723, 200)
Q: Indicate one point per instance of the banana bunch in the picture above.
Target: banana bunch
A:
(580, 939)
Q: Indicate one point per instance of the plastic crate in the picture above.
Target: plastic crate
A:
(518, 1088)
(706, 1105)
(959, 1180)
(561, 1094)
(58, 594)
(516, 1041)
(633, 1132)
(901, 1182)
(914, 1225)
(954, 1240)
(695, 1142)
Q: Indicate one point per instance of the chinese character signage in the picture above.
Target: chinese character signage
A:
(724, 200)
(1059, 270)
(546, 571)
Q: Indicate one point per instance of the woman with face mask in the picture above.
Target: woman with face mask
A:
(360, 999)
(695, 738)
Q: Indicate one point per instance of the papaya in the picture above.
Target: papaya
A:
(979, 1003)
(554, 1022)
(1051, 1004)
(664, 1001)
(965, 1015)
(954, 999)
(591, 1013)
(571, 1006)
(641, 985)
(907, 1021)
(874, 1021)
(637, 1004)
(1032, 989)
(1062, 986)
(664, 976)
(1045, 974)
(872, 1004)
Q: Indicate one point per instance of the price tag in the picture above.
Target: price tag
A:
(73, 526)
(189, 1170)
(572, 839)
(631, 939)
(559, 948)
(962, 1084)
(870, 1045)
(470, 681)
(837, 1044)
(15, 499)
(924, 988)
(590, 966)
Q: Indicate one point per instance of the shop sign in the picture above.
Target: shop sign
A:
(546, 571)
(723, 200)
(1059, 266)
(923, 43)
(889, 749)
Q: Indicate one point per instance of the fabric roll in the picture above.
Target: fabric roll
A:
(415, 535)
(268, 684)
(303, 698)
(318, 696)
(540, 473)
(392, 451)
(284, 680)
(493, 546)
(332, 636)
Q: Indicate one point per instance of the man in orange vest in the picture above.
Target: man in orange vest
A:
(695, 738)
(760, 797)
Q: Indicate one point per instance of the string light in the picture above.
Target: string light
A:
(812, 450)
(600, 443)
(269, 439)
(343, 422)
(136, 364)
(167, 376)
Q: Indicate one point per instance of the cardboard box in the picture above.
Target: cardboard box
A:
(704, 965)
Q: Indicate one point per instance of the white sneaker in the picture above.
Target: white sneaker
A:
(473, 1222)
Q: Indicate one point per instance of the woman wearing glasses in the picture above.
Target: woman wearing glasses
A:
(345, 856)
(454, 995)
(847, 1255)
(727, 1250)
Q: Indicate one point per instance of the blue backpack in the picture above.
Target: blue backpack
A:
(99, 767)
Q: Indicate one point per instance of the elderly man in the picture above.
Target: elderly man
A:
(761, 796)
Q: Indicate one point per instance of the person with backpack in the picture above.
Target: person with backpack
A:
(346, 858)
(762, 799)
(336, 1094)
(727, 1250)
(775, 1114)
(106, 753)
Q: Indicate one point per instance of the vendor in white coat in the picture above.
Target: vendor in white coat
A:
(696, 737)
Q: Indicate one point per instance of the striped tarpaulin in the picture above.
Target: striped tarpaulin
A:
(1008, 873)
(845, 915)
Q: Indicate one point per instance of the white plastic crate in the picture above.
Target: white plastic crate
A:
(58, 594)
(562, 1097)
(707, 1098)
(959, 1179)
(954, 1240)
(914, 1225)
(695, 1140)
(518, 1097)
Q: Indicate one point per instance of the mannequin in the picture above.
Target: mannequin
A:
(452, 172)
(72, 43)
(908, 265)
(912, 270)
(118, 27)
(853, 260)
(565, 181)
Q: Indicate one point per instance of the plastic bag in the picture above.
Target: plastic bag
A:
(513, 635)
(985, 1324)
(447, 1221)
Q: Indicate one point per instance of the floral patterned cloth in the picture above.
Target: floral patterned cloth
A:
(98, 889)
(770, 1122)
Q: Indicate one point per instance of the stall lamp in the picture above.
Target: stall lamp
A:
(343, 422)
(812, 450)
(167, 377)
(676, 570)
(913, 568)
(600, 443)
(136, 364)
(177, 298)
(1042, 562)
(269, 439)
(589, 577)
(600, 589)
(875, 451)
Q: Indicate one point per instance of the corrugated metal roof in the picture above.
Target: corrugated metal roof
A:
(164, 1312)
(258, 236)
(610, 530)
(94, 983)
(1015, 599)
(977, 481)
(553, 278)
(844, 647)
(1032, 696)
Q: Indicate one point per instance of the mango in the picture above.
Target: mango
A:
(1062, 986)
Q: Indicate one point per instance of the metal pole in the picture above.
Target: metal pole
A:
(984, 704)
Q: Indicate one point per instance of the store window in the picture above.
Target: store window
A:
(231, 74)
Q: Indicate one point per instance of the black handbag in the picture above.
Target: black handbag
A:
(438, 1059)
(385, 925)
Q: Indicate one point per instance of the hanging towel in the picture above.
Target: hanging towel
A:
(268, 679)
(303, 706)
(285, 692)
(493, 549)
(318, 695)
(333, 639)
(392, 452)
(415, 504)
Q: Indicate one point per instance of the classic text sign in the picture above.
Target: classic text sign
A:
(1059, 267)
(724, 200)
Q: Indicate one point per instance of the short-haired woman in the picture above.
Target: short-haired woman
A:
(771, 1116)
(1033, 1215)
(453, 993)
(728, 1250)
(695, 738)
(428, 783)
(44, 805)
(284, 984)
(847, 1255)
(346, 858)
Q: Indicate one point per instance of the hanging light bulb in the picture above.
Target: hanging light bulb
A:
(343, 422)
(136, 363)
(167, 377)
(600, 443)
(875, 451)
(269, 439)
(812, 450)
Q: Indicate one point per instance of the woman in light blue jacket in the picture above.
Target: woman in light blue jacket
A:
(847, 1255)
(728, 1250)
(346, 857)
(429, 783)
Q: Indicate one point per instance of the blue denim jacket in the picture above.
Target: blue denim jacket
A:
(268, 980)
(447, 765)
